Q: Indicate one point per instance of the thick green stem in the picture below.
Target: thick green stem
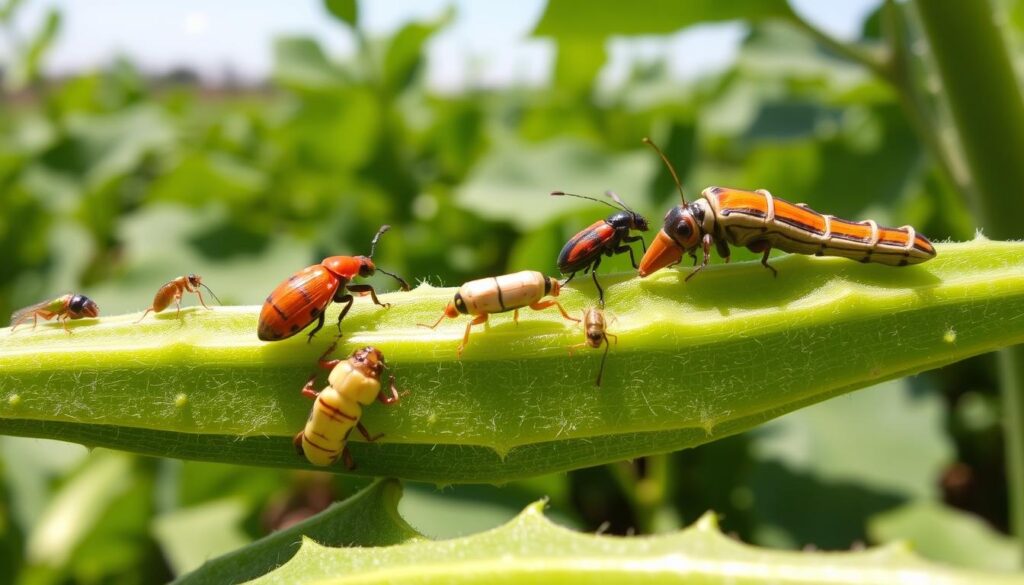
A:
(988, 111)
(877, 65)
(695, 361)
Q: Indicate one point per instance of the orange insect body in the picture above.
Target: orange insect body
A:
(173, 291)
(497, 294)
(69, 306)
(351, 385)
(760, 222)
(303, 297)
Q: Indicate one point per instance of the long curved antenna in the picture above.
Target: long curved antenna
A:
(668, 164)
(211, 292)
(376, 238)
(609, 193)
(615, 197)
(401, 281)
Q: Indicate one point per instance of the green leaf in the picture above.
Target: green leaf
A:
(946, 534)
(514, 181)
(404, 54)
(190, 536)
(577, 65)
(300, 64)
(28, 65)
(367, 519)
(694, 362)
(532, 549)
(600, 18)
(346, 11)
(77, 507)
(824, 440)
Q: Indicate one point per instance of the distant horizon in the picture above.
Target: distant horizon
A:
(486, 45)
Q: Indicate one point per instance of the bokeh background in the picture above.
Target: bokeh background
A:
(242, 140)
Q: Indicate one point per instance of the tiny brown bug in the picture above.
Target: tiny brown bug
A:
(172, 292)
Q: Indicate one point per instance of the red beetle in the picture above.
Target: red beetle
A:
(602, 238)
(301, 299)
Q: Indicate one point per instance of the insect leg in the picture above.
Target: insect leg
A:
(366, 434)
(541, 305)
(465, 338)
(600, 371)
(144, 315)
(766, 247)
(515, 316)
(593, 274)
(297, 441)
(643, 244)
(392, 396)
(566, 281)
(723, 250)
(309, 391)
(436, 323)
(622, 249)
(199, 293)
(572, 348)
(348, 300)
(706, 246)
(346, 456)
(365, 288)
(319, 326)
(64, 321)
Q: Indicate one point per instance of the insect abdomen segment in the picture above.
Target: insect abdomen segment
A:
(503, 293)
(752, 218)
(335, 413)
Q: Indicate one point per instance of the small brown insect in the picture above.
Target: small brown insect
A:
(69, 306)
(596, 330)
(173, 290)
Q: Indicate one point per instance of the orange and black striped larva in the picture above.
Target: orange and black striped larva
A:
(352, 384)
(69, 306)
(302, 298)
(173, 290)
(595, 330)
(497, 294)
(760, 222)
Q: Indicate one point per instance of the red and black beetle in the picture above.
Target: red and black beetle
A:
(301, 299)
(604, 237)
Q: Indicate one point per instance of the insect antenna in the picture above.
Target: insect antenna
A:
(615, 197)
(373, 248)
(211, 292)
(376, 238)
(671, 169)
(609, 193)
(401, 281)
(604, 358)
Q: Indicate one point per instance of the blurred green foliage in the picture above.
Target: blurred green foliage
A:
(111, 186)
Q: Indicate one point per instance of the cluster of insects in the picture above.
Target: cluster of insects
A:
(719, 218)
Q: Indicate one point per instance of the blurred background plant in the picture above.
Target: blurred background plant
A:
(115, 179)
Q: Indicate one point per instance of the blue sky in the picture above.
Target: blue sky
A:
(488, 43)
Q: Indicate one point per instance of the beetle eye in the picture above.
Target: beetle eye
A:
(683, 229)
(77, 303)
(366, 269)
